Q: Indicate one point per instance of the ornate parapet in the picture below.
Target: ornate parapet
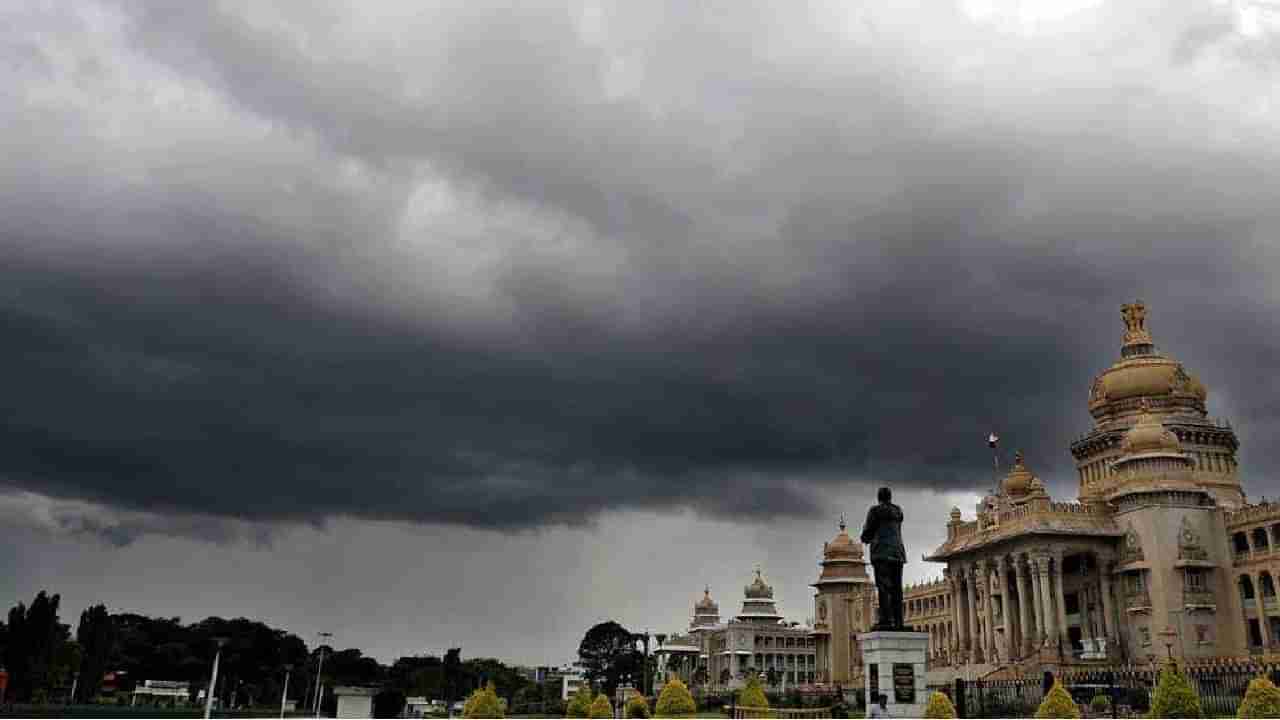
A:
(1249, 514)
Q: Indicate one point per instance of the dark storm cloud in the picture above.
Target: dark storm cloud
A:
(509, 268)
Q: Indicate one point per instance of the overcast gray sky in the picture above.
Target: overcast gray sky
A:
(473, 323)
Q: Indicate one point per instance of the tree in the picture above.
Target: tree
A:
(388, 703)
(483, 703)
(607, 656)
(580, 704)
(452, 673)
(601, 707)
(1058, 704)
(1174, 697)
(1261, 700)
(96, 636)
(939, 707)
(40, 656)
(674, 701)
(752, 695)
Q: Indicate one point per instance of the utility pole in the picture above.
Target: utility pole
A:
(284, 694)
(213, 678)
(320, 667)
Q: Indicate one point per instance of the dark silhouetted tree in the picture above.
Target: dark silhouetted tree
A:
(607, 656)
(96, 636)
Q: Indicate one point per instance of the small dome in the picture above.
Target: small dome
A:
(842, 546)
(1149, 435)
(955, 514)
(758, 589)
(706, 603)
(1018, 482)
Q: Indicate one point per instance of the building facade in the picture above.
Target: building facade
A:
(1160, 553)
(757, 641)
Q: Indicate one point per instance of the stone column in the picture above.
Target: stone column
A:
(1062, 604)
(1261, 603)
(1037, 605)
(989, 637)
(1006, 612)
(1046, 600)
(1104, 581)
(971, 576)
(957, 617)
(1024, 637)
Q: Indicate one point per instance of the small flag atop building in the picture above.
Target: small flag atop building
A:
(992, 440)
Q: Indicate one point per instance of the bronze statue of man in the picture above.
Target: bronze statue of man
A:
(883, 532)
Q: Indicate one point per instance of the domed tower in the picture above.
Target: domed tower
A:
(1019, 486)
(842, 607)
(757, 602)
(1174, 560)
(1145, 378)
(706, 613)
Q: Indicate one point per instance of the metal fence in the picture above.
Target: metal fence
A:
(1220, 685)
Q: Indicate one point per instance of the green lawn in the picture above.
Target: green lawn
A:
(124, 711)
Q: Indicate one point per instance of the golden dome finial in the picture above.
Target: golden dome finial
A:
(842, 525)
(1135, 324)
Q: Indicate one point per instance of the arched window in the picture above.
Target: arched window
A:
(1268, 585)
(1246, 587)
(1241, 542)
(1260, 539)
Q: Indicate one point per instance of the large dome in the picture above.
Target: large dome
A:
(1142, 373)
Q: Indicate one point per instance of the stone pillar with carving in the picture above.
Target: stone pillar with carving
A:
(1025, 631)
(1260, 602)
(1046, 603)
(1108, 610)
(989, 605)
(1059, 577)
(1004, 642)
(970, 580)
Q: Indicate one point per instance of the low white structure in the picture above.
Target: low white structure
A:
(354, 702)
(895, 667)
(569, 684)
(176, 692)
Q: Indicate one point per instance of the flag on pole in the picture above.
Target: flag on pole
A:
(992, 440)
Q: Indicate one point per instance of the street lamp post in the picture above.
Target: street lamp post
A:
(75, 680)
(284, 693)
(319, 668)
(213, 678)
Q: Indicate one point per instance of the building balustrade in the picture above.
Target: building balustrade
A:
(1138, 600)
(1198, 598)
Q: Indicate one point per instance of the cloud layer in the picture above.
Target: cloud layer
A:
(510, 267)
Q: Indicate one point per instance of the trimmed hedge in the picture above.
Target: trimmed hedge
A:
(939, 707)
(1261, 700)
(1174, 696)
(483, 703)
(752, 695)
(601, 707)
(674, 701)
(636, 707)
(1058, 703)
(580, 704)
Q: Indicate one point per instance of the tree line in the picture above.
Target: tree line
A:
(45, 661)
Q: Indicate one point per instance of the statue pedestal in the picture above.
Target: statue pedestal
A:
(893, 664)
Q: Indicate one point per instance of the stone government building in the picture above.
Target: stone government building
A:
(1160, 552)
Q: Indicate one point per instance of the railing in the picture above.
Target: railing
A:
(752, 713)
(1199, 598)
(1140, 600)
(1251, 513)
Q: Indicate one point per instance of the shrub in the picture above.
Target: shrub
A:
(674, 701)
(1100, 703)
(1174, 697)
(939, 706)
(1058, 704)
(483, 703)
(752, 695)
(636, 707)
(601, 707)
(580, 704)
(1262, 700)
